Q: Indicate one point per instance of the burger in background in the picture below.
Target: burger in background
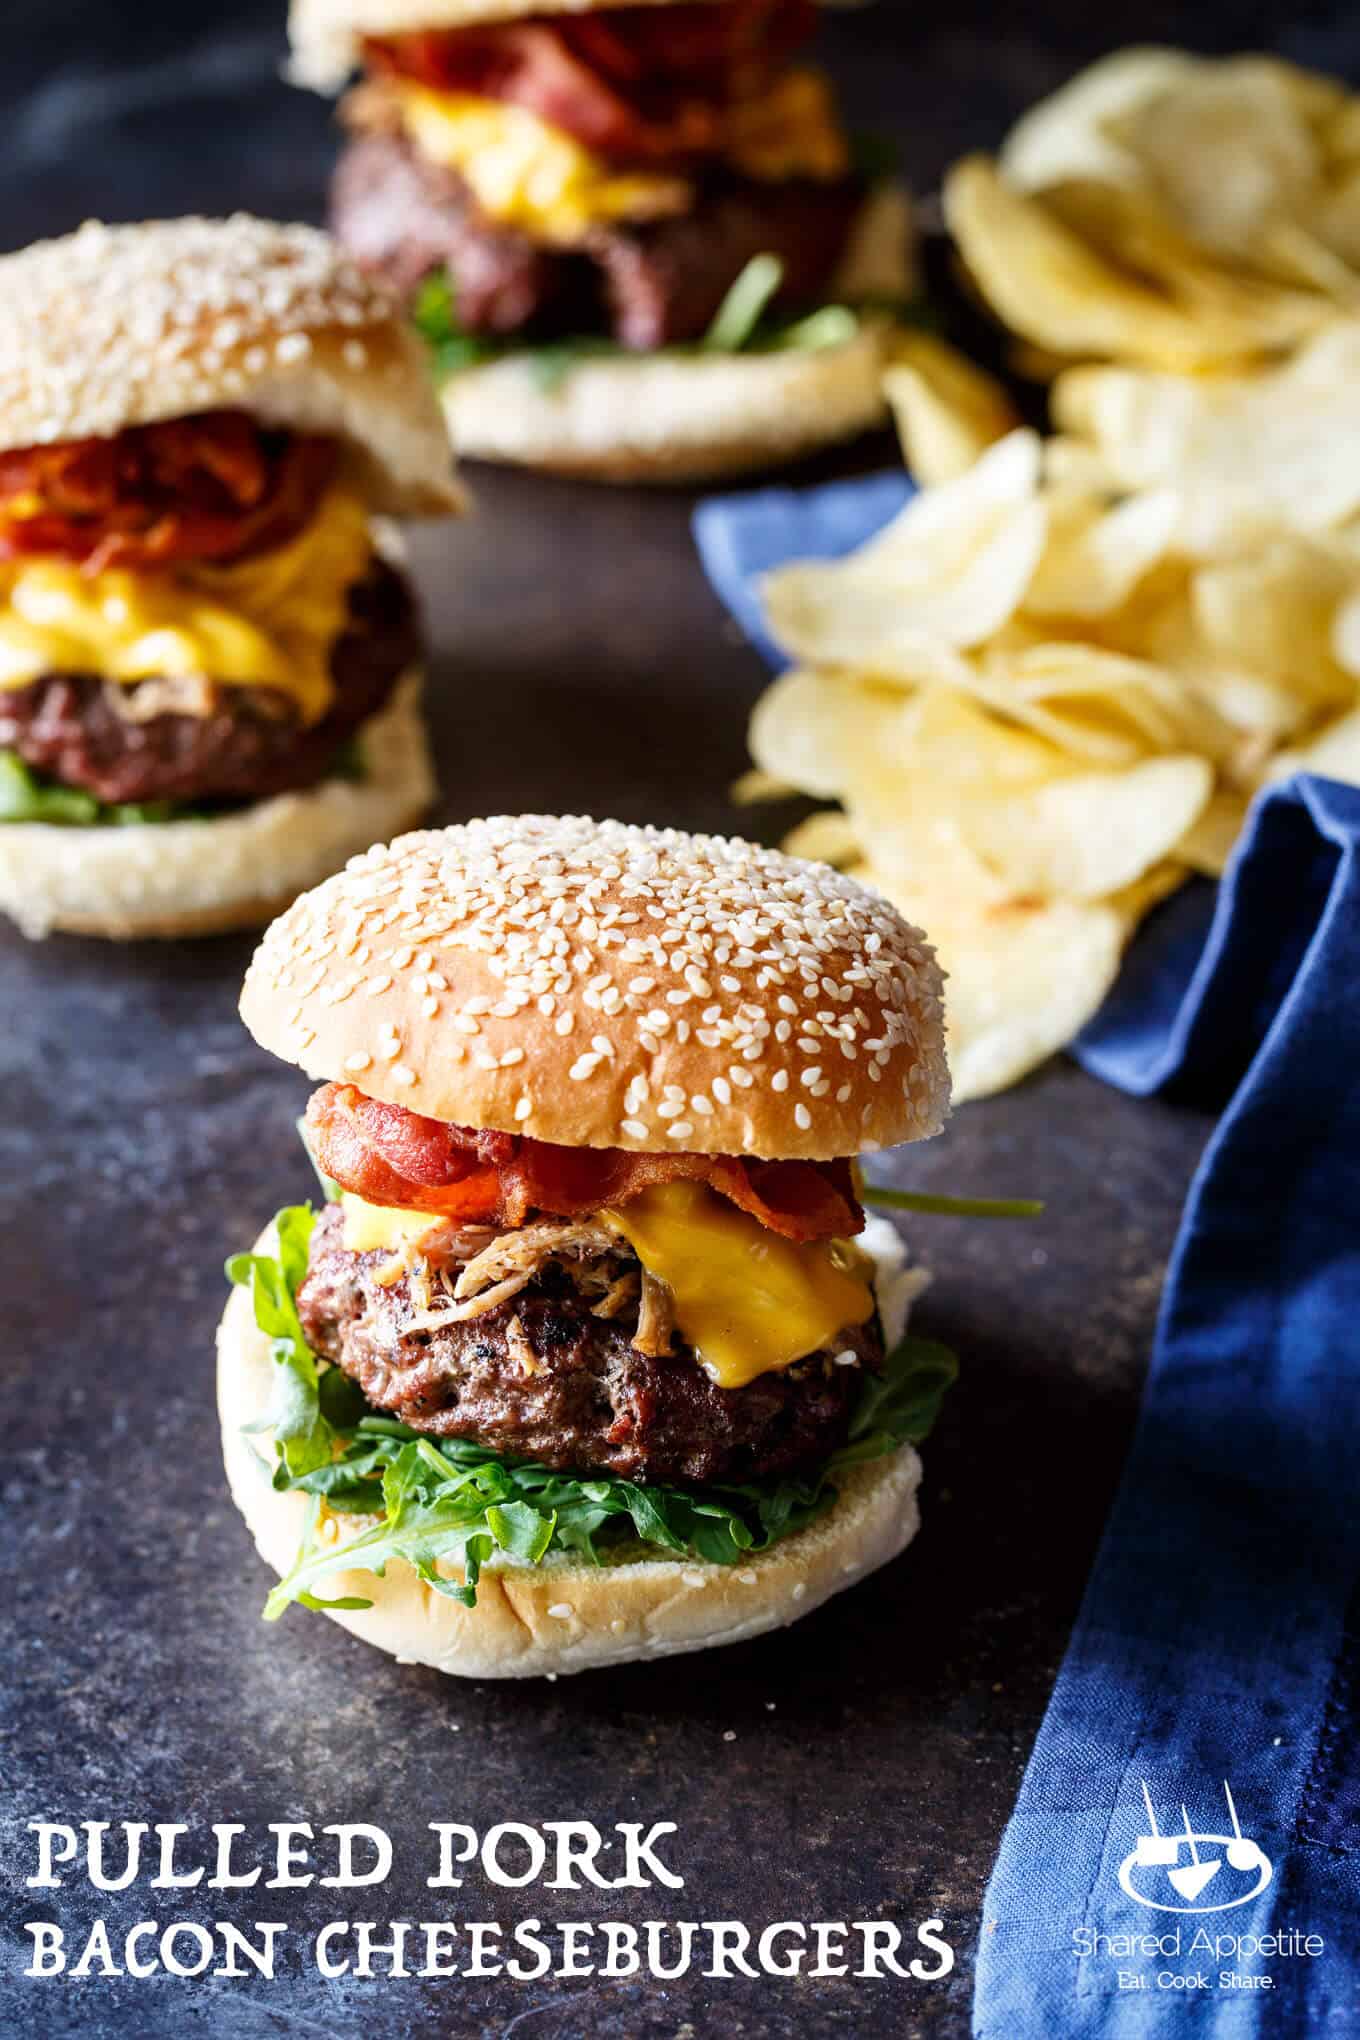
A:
(594, 1354)
(637, 237)
(209, 657)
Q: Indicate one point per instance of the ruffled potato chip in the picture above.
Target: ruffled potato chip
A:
(1241, 454)
(948, 411)
(1173, 211)
(946, 573)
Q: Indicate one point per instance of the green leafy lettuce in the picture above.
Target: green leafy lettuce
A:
(742, 324)
(455, 1500)
(28, 796)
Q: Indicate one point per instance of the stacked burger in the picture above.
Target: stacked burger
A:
(209, 658)
(637, 236)
(593, 1352)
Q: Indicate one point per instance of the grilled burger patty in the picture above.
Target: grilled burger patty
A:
(88, 732)
(648, 285)
(542, 1377)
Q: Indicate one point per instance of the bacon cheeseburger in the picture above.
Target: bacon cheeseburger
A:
(636, 237)
(594, 1354)
(209, 665)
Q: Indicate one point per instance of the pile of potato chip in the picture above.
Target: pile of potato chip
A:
(1042, 701)
(1168, 210)
(1046, 693)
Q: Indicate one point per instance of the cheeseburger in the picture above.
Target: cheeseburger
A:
(592, 1354)
(637, 237)
(209, 659)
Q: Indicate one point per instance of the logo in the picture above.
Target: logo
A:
(1154, 1874)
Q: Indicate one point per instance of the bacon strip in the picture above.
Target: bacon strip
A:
(388, 1155)
(214, 486)
(644, 84)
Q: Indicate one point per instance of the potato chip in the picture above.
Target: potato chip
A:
(946, 573)
(1058, 291)
(1178, 212)
(1022, 977)
(1334, 752)
(808, 730)
(1067, 135)
(948, 412)
(1208, 843)
(1242, 453)
(1095, 555)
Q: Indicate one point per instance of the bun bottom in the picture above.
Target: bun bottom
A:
(168, 879)
(669, 418)
(562, 1616)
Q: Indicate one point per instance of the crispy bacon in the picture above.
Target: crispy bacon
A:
(211, 487)
(388, 1155)
(638, 84)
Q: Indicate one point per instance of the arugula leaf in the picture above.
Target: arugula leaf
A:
(302, 1431)
(740, 326)
(748, 297)
(900, 1406)
(952, 1207)
(458, 1501)
(26, 796)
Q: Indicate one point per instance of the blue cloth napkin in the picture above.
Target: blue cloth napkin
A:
(1219, 1638)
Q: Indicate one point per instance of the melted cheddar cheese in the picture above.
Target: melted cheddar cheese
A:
(528, 174)
(374, 1228)
(269, 621)
(525, 173)
(746, 1301)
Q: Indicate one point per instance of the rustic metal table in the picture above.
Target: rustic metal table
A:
(860, 1765)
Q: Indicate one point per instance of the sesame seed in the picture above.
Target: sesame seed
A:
(646, 942)
(401, 1074)
(357, 1061)
(561, 1609)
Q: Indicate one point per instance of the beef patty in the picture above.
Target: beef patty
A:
(649, 285)
(589, 1401)
(250, 745)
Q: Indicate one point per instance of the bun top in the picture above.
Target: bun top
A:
(117, 326)
(604, 986)
(326, 34)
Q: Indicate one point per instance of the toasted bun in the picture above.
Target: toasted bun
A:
(326, 34)
(561, 1616)
(675, 417)
(202, 878)
(669, 418)
(604, 986)
(118, 326)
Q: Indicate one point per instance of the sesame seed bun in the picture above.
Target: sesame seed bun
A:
(560, 1616)
(598, 985)
(326, 34)
(237, 871)
(117, 326)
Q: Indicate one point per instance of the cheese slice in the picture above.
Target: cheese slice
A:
(524, 172)
(269, 621)
(528, 174)
(373, 1228)
(746, 1301)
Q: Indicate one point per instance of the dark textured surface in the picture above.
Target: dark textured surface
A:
(581, 664)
